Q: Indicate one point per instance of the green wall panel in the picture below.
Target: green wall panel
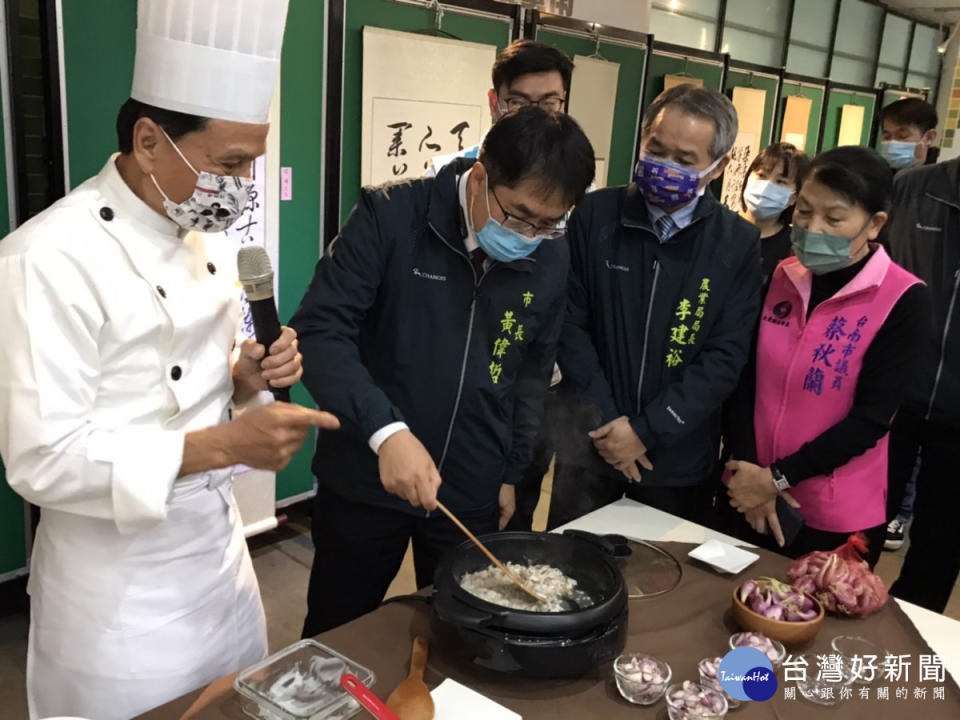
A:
(661, 65)
(301, 147)
(835, 102)
(99, 43)
(815, 94)
(13, 540)
(626, 120)
(394, 16)
(735, 78)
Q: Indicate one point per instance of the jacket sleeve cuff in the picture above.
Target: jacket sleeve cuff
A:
(514, 474)
(381, 435)
(642, 428)
(258, 399)
(145, 465)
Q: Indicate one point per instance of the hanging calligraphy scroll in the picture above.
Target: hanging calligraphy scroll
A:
(422, 96)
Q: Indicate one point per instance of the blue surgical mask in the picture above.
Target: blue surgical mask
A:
(503, 244)
(899, 154)
(765, 199)
(821, 253)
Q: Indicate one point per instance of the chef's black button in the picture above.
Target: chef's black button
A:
(106, 213)
(176, 372)
(163, 293)
(212, 268)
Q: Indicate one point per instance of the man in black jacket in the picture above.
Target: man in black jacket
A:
(430, 330)
(664, 293)
(924, 238)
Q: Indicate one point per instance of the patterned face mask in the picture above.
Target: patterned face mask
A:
(668, 184)
(216, 203)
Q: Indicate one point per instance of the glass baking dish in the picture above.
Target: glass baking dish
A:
(301, 682)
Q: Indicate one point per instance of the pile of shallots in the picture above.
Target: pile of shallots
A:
(777, 601)
(840, 579)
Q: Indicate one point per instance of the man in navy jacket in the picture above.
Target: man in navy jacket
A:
(664, 296)
(430, 330)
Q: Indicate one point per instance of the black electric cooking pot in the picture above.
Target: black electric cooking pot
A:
(563, 644)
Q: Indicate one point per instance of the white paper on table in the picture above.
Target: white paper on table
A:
(453, 701)
(724, 557)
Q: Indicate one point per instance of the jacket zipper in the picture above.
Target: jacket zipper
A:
(466, 349)
(646, 334)
(943, 344)
(646, 330)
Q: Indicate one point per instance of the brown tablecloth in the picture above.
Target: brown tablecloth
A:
(681, 627)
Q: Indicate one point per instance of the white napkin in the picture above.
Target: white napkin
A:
(723, 556)
(454, 701)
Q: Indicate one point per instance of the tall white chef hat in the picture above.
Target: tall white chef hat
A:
(212, 58)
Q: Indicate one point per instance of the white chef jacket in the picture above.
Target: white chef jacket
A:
(120, 330)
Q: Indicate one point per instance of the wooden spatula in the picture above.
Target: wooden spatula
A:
(519, 583)
(411, 699)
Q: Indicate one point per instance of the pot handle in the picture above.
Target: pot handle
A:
(597, 540)
(453, 610)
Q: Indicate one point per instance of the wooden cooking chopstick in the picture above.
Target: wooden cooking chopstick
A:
(493, 558)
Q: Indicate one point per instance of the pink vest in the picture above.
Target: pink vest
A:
(807, 374)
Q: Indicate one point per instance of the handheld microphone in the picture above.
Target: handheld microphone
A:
(256, 275)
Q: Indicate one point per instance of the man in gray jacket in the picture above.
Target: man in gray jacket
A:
(923, 238)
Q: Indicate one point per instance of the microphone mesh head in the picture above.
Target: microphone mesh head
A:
(253, 263)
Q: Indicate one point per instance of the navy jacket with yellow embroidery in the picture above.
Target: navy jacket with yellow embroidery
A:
(660, 332)
(394, 327)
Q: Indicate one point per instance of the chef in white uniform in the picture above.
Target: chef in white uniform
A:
(123, 386)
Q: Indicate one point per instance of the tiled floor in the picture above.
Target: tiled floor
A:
(282, 559)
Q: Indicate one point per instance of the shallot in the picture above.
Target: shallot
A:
(776, 600)
(691, 700)
(774, 650)
(641, 679)
(710, 677)
(840, 579)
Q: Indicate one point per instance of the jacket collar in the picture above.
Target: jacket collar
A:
(635, 214)
(871, 276)
(126, 205)
(447, 219)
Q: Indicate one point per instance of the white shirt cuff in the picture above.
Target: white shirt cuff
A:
(381, 435)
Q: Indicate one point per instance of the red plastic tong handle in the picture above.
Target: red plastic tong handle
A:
(365, 696)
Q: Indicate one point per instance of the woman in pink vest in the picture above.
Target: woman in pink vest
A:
(839, 329)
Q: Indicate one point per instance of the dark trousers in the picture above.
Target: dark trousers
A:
(933, 561)
(906, 438)
(584, 482)
(580, 488)
(559, 419)
(358, 550)
(556, 413)
(530, 485)
(807, 540)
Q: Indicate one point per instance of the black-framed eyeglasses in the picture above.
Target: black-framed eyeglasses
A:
(546, 232)
(552, 103)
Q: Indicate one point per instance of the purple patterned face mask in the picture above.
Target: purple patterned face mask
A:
(668, 184)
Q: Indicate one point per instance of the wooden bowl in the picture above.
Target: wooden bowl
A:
(789, 633)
